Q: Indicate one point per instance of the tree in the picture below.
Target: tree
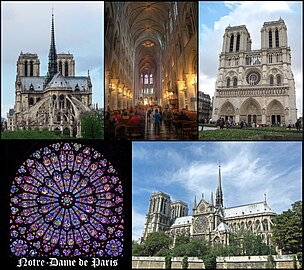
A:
(181, 239)
(195, 248)
(137, 249)
(92, 126)
(247, 243)
(156, 241)
(164, 252)
(287, 231)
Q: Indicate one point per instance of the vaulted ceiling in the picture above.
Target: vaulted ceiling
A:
(147, 20)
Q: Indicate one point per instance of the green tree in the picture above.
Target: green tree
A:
(247, 243)
(181, 239)
(168, 262)
(287, 231)
(156, 241)
(195, 248)
(164, 252)
(185, 262)
(137, 249)
(92, 126)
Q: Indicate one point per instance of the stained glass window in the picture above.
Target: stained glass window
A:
(66, 200)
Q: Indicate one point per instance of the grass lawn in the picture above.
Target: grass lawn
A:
(267, 133)
(30, 134)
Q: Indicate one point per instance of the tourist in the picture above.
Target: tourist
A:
(169, 116)
(157, 121)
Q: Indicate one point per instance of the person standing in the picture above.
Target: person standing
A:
(169, 116)
(157, 121)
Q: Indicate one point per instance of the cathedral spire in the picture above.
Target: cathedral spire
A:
(219, 193)
(194, 204)
(52, 66)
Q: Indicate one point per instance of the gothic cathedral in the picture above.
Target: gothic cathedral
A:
(55, 101)
(210, 221)
(255, 86)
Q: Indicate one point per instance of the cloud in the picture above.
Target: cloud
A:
(138, 222)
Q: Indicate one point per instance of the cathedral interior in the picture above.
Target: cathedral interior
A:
(150, 64)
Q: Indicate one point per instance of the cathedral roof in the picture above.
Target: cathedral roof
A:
(248, 209)
(36, 82)
(58, 81)
(79, 83)
(187, 220)
(222, 227)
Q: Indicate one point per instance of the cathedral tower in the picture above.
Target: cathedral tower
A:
(159, 214)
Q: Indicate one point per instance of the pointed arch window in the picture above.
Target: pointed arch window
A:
(141, 78)
(66, 69)
(146, 81)
(25, 68)
(151, 78)
(271, 80)
(237, 42)
(31, 69)
(278, 80)
(228, 82)
(231, 43)
(277, 38)
(31, 101)
(234, 82)
(270, 39)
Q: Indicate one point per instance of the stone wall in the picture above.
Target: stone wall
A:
(233, 262)
(159, 263)
(257, 262)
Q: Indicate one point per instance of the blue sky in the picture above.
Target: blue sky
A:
(26, 27)
(214, 17)
(187, 169)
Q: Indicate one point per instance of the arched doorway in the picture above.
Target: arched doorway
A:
(275, 113)
(227, 111)
(251, 112)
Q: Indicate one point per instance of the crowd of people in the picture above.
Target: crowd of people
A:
(121, 124)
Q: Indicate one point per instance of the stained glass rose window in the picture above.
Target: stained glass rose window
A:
(66, 200)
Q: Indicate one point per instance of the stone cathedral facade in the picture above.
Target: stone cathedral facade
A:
(256, 86)
(209, 220)
(55, 101)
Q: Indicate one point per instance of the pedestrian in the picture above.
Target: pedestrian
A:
(169, 116)
(157, 121)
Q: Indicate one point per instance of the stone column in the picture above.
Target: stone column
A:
(125, 98)
(120, 96)
(181, 87)
(264, 119)
(191, 91)
(108, 75)
(114, 94)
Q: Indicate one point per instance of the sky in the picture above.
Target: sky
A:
(26, 27)
(187, 169)
(214, 17)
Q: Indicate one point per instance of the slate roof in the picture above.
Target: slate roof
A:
(248, 209)
(58, 81)
(187, 220)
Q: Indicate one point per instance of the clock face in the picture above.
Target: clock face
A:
(253, 78)
(201, 224)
